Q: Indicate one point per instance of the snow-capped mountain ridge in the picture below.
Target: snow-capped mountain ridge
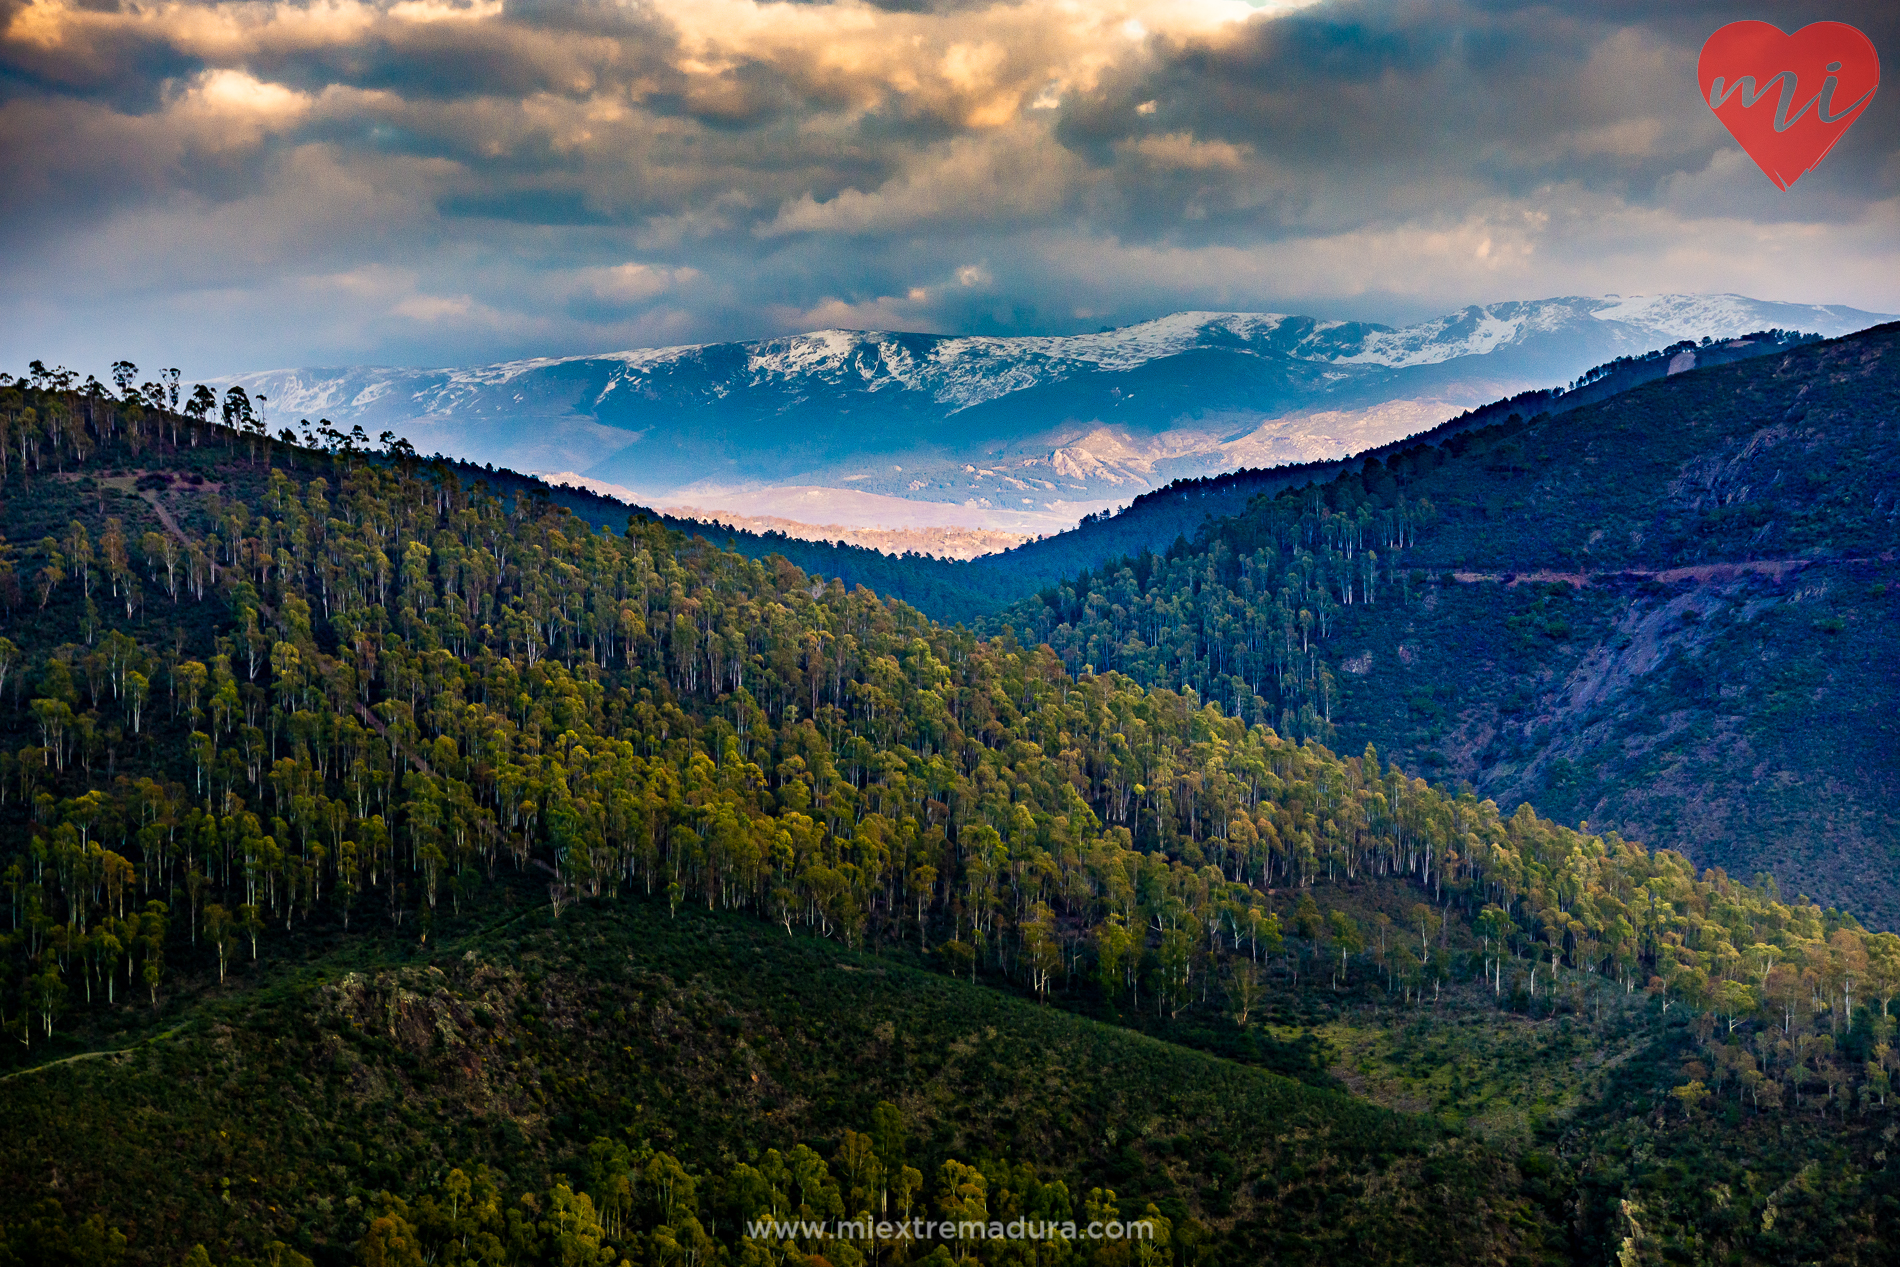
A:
(1019, 421)
(966, 370)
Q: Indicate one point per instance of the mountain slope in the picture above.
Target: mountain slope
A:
(1670, 613)
(969, 590)
(527, 1046)
(1154, 520)
(404, 873)
(1022, 434)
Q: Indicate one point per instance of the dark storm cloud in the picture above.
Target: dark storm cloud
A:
(449, 180)
(1363, 111)
(120, 66)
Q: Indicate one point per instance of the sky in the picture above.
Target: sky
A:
(239, 186)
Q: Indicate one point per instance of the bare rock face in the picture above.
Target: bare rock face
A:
(448, 1030)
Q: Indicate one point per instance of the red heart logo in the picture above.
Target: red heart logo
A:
(1788, 98)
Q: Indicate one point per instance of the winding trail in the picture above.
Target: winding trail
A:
(150, 498)
(93, 1055)
(129, 483)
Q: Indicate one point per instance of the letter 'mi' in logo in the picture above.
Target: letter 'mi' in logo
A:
(1745, 65)
(1788, 81)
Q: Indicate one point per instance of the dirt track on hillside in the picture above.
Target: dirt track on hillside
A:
(1777, 568)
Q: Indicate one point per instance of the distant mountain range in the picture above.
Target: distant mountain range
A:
(1016, 434)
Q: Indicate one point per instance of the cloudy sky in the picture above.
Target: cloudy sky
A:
(234, 186)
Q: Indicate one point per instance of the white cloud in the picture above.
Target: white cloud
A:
(990, 179)
(435, 307)
(633, 283)
(885, 312)
(446, 10)
(281, 181)
(1180, 151)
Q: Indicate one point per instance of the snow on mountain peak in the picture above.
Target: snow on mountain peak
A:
(815, 352)
(1473, 331)
(1684, 316)
(1547, 339)
(1129, 346)
(965, 370)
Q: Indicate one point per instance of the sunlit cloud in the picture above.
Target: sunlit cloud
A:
(446, 10)
(631, 283)
(516, 179)
(973, 179)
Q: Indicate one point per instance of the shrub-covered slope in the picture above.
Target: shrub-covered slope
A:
(1669, 613)
(280, 1115)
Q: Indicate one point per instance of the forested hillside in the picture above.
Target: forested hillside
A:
(392, 829)
(1670, 613)
(968, 591)
(1182, 510)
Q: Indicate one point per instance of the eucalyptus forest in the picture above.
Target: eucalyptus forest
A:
(567, 894)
